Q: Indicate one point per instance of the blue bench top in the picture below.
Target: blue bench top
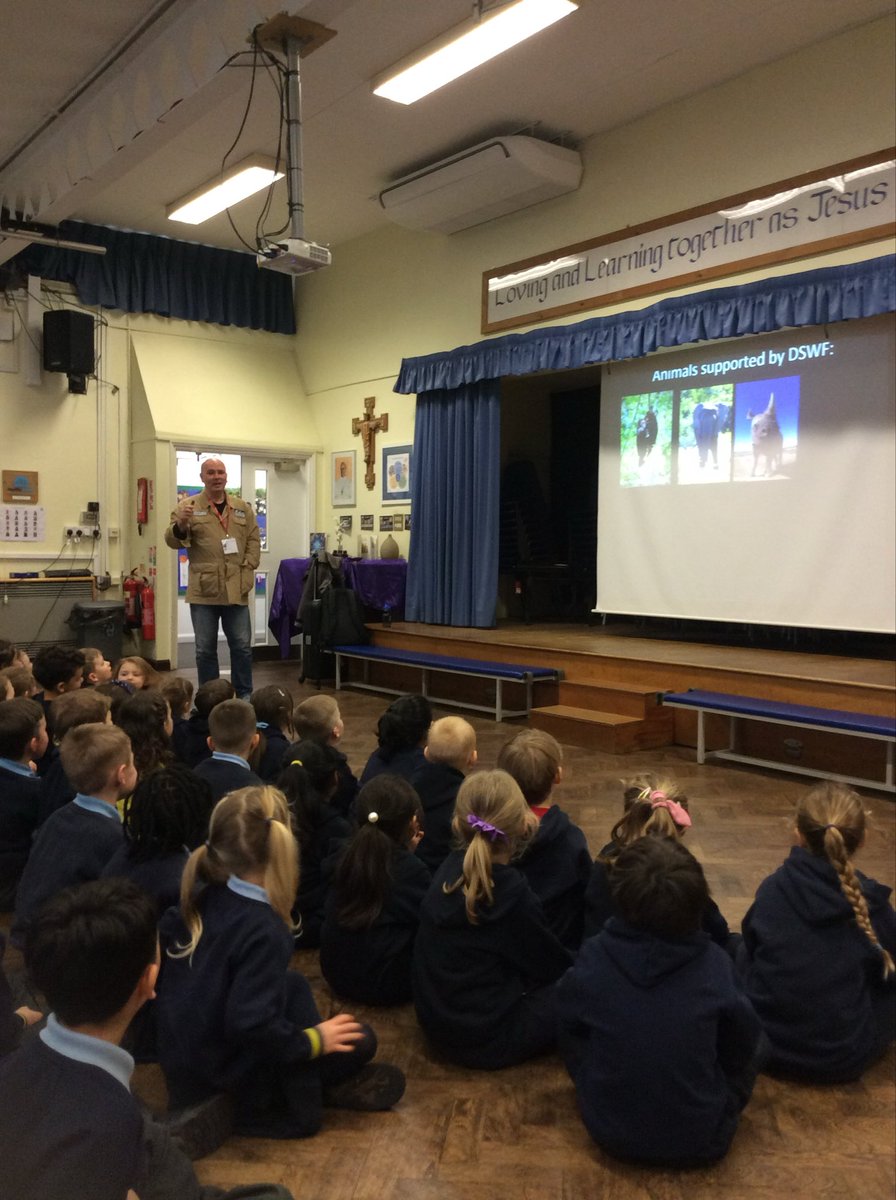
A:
(445, 662)
(799, 714)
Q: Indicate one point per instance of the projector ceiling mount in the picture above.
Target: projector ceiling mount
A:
(295, 38)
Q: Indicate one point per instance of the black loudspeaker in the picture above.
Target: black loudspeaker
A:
(68, 342)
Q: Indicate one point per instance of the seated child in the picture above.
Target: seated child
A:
(97, 668)
(75, 842)
(179, 694)
(373, 907)
(146, 719)
(21, 680)
(232, 738)
(660, 1041)
(83, 707)
(449, 755)
(69, 1126)
(401, 733)
(137, 673)
(163, 821)
(231, 1016)
(818, 947)
(12, 655)
(308, 782)
(318, 719)
(13, 1020)
(58, 669)
(656, 808)
(556, 862)
(23, 740)
(191, 743)
(273, 716)
(485, 961)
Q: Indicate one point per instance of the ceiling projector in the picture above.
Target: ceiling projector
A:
(295, 256)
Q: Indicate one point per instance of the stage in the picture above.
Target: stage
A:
(608, 696)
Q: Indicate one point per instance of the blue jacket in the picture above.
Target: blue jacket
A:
(814, 978)
(662, 1027)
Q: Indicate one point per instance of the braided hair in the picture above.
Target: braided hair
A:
(169, 809)
(831, 821)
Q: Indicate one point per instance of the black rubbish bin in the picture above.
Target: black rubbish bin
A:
(99, 623)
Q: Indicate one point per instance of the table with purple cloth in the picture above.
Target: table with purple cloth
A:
(378, 582)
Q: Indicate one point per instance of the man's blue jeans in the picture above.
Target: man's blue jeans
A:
(237, 629)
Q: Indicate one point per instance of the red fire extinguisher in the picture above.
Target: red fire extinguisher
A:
(132, 587)
(148, 624)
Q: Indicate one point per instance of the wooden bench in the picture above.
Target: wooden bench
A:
(777, 712)
(498, 671)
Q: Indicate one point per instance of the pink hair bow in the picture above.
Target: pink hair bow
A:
(678, 814)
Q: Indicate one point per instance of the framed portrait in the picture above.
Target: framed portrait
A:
(396, 474)
(342, 478)
(386, 523)
(367, 521)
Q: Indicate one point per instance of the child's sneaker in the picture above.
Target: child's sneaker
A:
(375, 1088)
(202, 1127)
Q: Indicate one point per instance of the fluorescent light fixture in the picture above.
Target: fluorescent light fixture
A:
(466, 47)
(245, 179)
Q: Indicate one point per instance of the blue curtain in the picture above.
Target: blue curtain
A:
(453, 559)
(864, 289)
(141, 273)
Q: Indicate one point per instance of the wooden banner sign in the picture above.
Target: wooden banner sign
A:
(842, 205)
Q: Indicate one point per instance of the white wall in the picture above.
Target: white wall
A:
(400, 294)
(396, 293)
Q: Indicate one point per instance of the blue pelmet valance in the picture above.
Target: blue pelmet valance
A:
(864, 289)
(142, 273)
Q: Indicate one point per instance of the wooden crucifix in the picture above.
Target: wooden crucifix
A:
(369, 426)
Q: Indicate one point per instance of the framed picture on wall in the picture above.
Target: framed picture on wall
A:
(396, 474)
(342, 478)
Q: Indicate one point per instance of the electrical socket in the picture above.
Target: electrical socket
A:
(80, 533)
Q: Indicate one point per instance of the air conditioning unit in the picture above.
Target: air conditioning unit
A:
(488, 180)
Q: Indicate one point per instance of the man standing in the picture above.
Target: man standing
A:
(220, 535)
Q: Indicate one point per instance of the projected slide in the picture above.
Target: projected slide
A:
(753, 480)
(725, 431)
(645, 440)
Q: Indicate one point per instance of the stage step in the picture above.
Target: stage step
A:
(633, 701)
(611, 732)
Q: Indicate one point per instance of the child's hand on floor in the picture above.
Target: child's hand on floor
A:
(340, 1033)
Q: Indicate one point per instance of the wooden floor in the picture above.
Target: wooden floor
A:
(516, 1135)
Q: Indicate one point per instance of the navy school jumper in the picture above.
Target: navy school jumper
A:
(67, 1129)
(224, 776)
(373, 965)
(483, 993)
(437, 785)
(403, 763)
(813, 976)
(232, 1018)
(72, 846)
(599, 904)
(660, 1042)
(557, 865)
(20, 800)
